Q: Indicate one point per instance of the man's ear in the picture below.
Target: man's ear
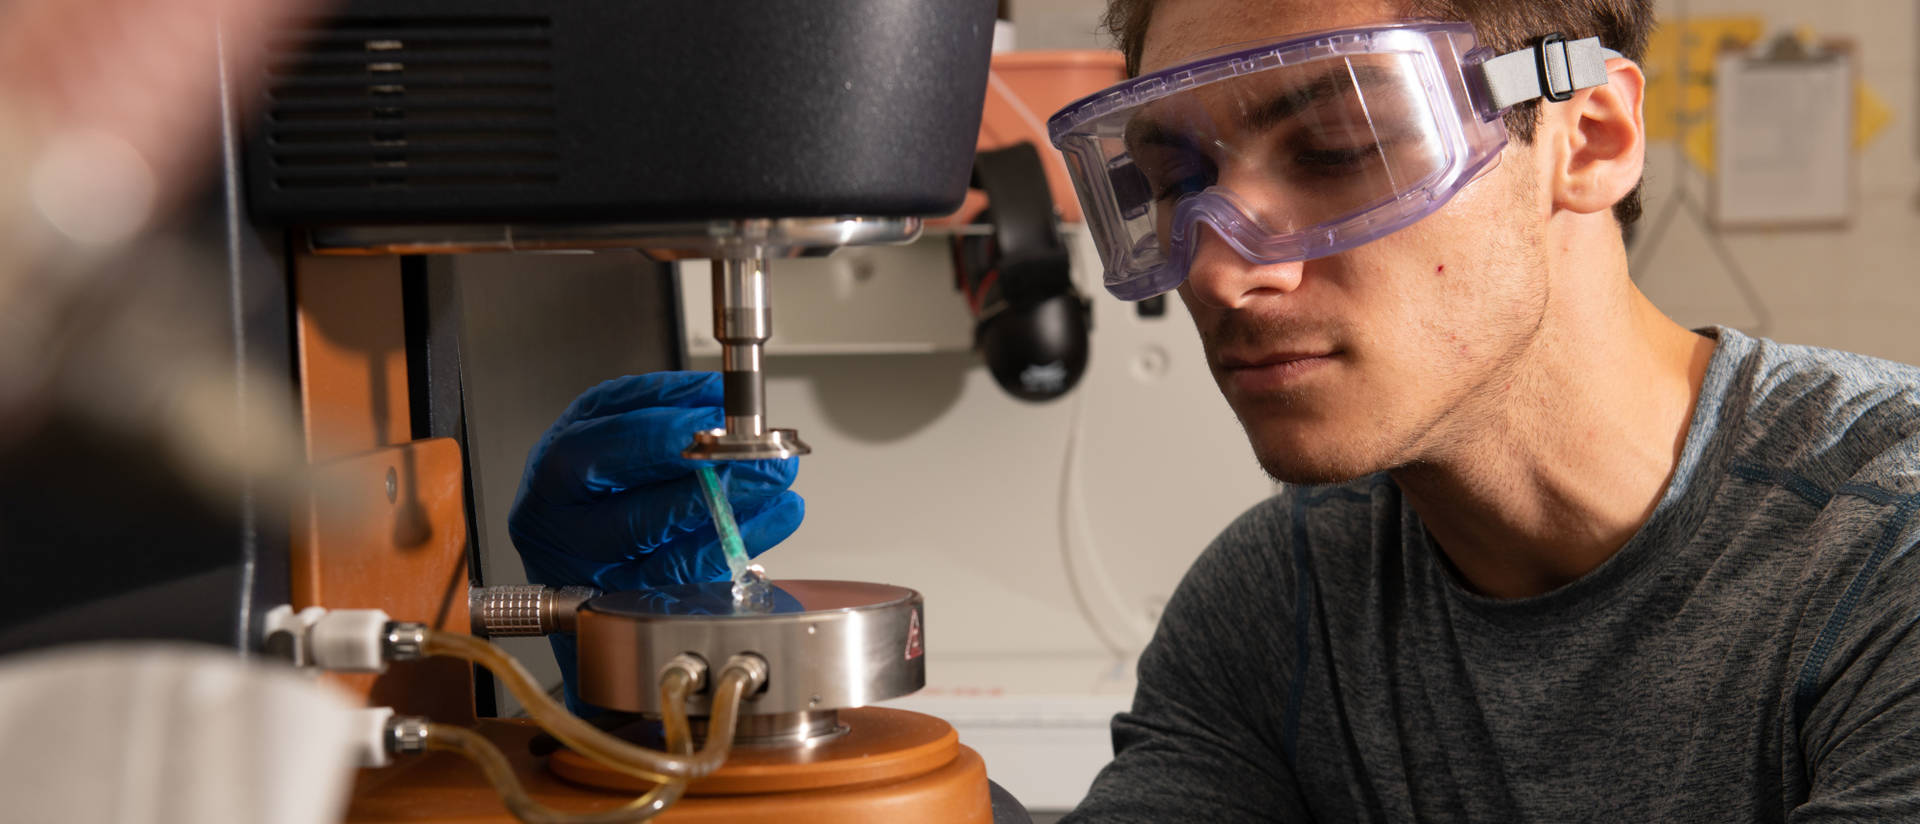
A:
(1598, 141)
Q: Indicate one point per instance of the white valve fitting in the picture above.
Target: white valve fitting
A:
(350, 640)
(369, 737)
(284, 633)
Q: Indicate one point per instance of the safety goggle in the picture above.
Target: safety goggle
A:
(1300, 148)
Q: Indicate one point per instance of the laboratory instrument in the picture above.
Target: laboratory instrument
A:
(392, 133)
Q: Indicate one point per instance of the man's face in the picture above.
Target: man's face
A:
(1388, 354)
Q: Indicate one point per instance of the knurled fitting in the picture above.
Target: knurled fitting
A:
(693, 665)
(756, 669)
(525, 609)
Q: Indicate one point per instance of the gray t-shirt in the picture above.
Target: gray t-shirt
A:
(1752, 654)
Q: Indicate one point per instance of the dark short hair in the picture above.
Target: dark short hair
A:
(1504, 25)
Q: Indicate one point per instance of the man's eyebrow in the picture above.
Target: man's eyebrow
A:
(1145, 131)
(1303, 96)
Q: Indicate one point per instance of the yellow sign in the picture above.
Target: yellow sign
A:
(1680, 68)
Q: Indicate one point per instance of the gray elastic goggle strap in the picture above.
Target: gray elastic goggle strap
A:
(1555, 69)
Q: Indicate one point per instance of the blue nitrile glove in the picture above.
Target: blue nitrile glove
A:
(608, 502)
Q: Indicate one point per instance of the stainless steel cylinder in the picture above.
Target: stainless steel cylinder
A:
(742, 322)
(828, 644)
(785, 729)
(721, 445)
(742, 303)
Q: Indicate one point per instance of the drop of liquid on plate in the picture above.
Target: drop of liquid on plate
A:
(751, 590)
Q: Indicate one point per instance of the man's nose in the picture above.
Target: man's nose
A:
(1221, 278)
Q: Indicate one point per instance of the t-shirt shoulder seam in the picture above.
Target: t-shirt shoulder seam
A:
(1812, 491)
(1807, 686)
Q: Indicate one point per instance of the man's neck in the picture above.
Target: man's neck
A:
(1567, 465)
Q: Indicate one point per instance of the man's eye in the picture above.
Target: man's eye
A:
(1181, 182)
(1185, 185)
(1332, 162)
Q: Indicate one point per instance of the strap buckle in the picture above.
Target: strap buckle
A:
(1546, 75)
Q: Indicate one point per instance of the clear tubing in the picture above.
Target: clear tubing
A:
(584, 738)
(480, 751)
(675, 686)
(678, 733)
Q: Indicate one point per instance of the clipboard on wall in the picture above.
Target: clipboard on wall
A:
(1783, 137)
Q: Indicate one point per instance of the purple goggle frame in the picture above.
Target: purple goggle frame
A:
(1465, 89)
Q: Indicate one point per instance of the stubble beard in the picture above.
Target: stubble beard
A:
(1450, 422)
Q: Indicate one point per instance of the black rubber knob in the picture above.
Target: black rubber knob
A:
(1037, 351)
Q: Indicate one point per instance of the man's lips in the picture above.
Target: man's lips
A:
(1275, 370)
(1236, 361)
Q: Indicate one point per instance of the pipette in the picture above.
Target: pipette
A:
(750, 589)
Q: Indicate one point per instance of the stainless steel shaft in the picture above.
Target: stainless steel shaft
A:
(742, 322)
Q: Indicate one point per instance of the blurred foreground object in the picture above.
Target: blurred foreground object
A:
(146, 429)
(169, 734)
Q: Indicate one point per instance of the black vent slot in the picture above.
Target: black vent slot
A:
(413, 103)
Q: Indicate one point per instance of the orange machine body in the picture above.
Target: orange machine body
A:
(1023, 90)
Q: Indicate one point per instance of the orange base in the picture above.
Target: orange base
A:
(890, 765)
(911, 768)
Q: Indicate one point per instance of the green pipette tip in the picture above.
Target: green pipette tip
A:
(730, 543)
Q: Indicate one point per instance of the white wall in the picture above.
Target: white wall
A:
(1059, 24)
(1854, 288)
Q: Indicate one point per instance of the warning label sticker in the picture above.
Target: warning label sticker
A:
(914, 648)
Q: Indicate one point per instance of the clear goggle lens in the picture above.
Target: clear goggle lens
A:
(1299, 148)
(1296, 147)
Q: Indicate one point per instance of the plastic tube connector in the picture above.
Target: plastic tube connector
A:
(371, 737)
(350, 640)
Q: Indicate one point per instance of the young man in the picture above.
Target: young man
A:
(1544, 555)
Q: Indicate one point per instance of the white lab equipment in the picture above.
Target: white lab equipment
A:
(169, 733)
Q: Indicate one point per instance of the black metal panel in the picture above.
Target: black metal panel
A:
(371, 102)
(622, 110)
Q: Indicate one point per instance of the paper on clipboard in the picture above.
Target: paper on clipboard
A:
(1783, 136)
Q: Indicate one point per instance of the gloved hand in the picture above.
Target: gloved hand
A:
(607, 501)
